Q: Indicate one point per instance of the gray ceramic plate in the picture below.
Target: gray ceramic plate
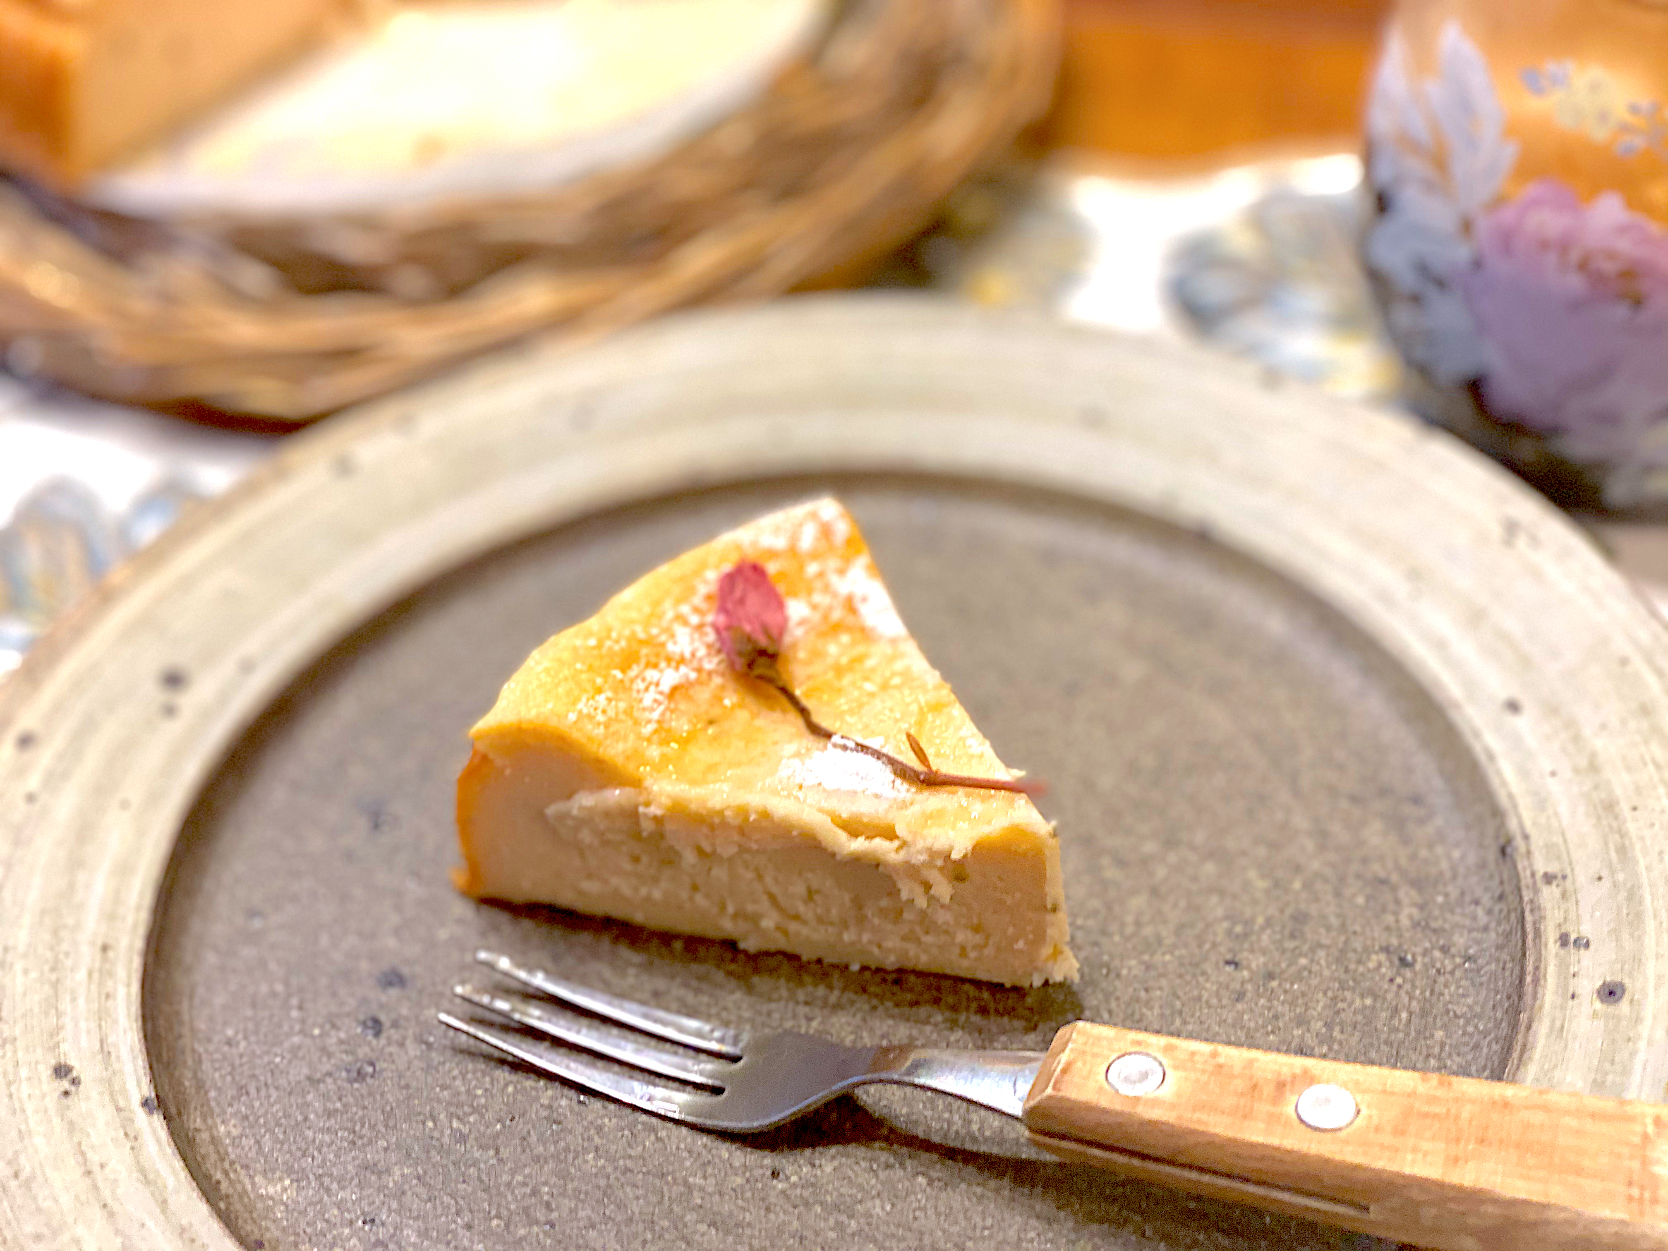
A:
(1354, 745)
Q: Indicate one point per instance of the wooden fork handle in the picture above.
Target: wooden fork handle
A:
(1444, 1162)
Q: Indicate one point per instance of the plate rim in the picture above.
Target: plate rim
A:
(1495, 603)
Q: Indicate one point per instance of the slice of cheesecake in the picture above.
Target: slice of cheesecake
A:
(630, 769)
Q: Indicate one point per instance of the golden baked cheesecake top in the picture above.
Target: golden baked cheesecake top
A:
(644, 693)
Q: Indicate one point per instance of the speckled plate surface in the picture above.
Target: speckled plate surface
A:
(1354, 745)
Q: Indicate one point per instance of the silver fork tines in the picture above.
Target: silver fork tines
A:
(573, 1066)
(625, 1045)
(753, 1081)
(689, 1031)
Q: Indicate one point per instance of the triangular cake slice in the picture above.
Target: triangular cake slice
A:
(627, 770)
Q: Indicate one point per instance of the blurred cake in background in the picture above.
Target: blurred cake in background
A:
(84, 81)
(158, 107)
(458, 175)
(466, 97)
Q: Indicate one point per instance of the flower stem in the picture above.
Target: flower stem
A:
(921, 776)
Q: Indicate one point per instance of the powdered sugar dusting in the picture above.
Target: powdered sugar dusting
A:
(819, 533)
(820, 523)
(681, 648)
(688, 651)
(799, 613)
(859, 583)
(824, 524)
(675, 651)
(837, 767)
(839, 588)
(595, 705)
(652, 688)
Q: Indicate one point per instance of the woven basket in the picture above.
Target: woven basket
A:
(284, 320)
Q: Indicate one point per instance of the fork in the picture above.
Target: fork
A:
(1445, 1162)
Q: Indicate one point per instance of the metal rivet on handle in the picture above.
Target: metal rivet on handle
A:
(1326, 1107)
(1135, 1073)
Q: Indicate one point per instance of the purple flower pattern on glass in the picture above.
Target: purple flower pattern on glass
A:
(1555, 309)
(1572, 301)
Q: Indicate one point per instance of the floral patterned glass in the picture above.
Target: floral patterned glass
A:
(1518, 153)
